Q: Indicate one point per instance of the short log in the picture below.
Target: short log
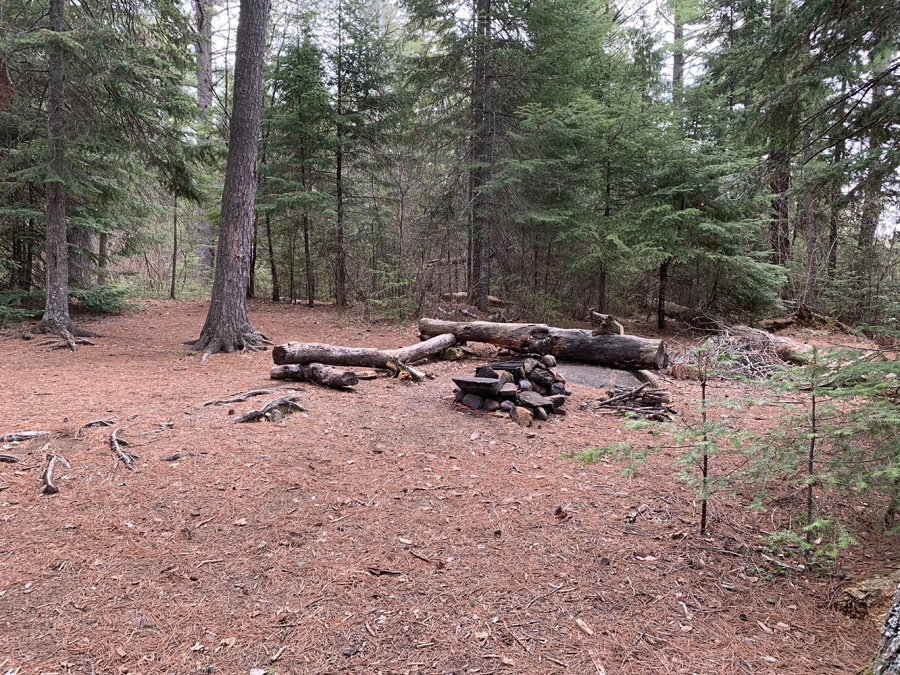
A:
(315, 372)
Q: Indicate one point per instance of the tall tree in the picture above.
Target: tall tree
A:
(56, 310)
(227, 326)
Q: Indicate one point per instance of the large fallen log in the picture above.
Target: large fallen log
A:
(623, 351)
(315, 372)
(314, 352)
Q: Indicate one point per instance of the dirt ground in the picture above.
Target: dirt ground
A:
(385, 530)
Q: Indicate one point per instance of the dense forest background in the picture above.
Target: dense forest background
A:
(725, 158)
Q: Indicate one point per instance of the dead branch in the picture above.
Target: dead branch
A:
(116, 444)
(273, 410)
(181, 455)
(22, 436)
(237, 398)
(98, 423)
(49, 487)
(9, 459)
(628, 395)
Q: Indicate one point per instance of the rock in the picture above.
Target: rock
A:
(534, 400)
(507, 405)
(452, 354)
(540, 414)
(506, 377)
(525, 385)
(483, 386)
(538, 388)
(529, 364)
(548, 360)
(557, 400)
(521, 416)
(460, 395)
(558, 388)
(520, 374)
(491, 405)
(486, 371)
(556, 375)
(509, 389)
(542, 377)
(473, 401)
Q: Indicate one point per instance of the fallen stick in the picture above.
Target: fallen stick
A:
(181, 455)
(49, 488)
(98, 423)
(9, 459)
(284, 405)
(22, 436)
(237, 398)
(315, 372)
(116, 444)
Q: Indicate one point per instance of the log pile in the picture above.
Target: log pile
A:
(528, 389)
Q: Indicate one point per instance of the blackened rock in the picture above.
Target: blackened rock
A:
(558, 388)
(508, 390)
(486, 371)
(506, 377)
(491, 405)
(473, 401)
(541, 376)
(558, 400)
(540, 414)
(507, 405)
(483, 386)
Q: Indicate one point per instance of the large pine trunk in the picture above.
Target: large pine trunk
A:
(623, 351)
(888, 659)
(227, 327)
(56, 310)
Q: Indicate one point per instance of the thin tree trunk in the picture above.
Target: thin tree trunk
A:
(251, 282)
(174, 248)
(203, 10)
(482, 154)
(812, 234)
(340, 271)
(888, 659)
(102, 258)
(276, 287)
(661, 298)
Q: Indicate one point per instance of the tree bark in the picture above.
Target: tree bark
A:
(174, 247)
(888, 660)
(482, 154)
(623, 351)
(203, 10)
(273, 268)
(314, 352)
(227, 327)
(56, 310)
(315, 372)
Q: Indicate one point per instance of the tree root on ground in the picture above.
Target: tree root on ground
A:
(247, 341)
(117, 446)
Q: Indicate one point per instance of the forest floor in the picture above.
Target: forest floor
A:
(385, 530)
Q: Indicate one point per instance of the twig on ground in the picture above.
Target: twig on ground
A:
(116, 444)
(22, 436)
(49, 487)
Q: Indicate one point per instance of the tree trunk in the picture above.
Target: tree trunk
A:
(174, 248)
(276, 287)
(227, 327)
(313, 352)
(888, 660)
(812, 233)
(203, 10)
(102, 258)
(661, 296)
(340, 262)
(56, 310)
(482, 154)
(780, 225)
(623, 351)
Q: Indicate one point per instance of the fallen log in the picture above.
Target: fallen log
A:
(314, 352)
(315, 372)
(623, 351)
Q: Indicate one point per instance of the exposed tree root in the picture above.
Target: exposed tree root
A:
(49, 487)
(273, 410)
(70, 335)
(117, 446)
(248, 340)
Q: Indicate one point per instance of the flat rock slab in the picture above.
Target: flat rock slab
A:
(483, 386)
(599, 377)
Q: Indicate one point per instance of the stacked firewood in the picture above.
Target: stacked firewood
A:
(644, 401)
(528, 389)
